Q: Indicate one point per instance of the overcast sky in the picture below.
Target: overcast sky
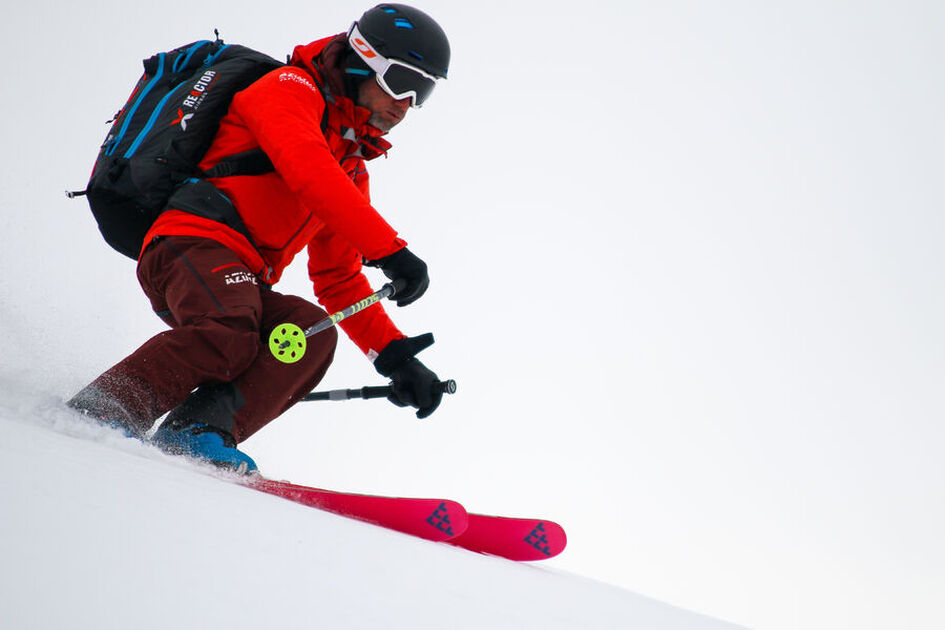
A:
(686, 264)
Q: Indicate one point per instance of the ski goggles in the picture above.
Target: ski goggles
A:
(397, 78)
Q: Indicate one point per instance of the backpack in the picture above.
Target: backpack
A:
(163, 131)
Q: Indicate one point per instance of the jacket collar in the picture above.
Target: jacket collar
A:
(321, 59)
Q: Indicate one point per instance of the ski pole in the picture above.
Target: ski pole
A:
(382, 391)
(287, 341)
(387, 290)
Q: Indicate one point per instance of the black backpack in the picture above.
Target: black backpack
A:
(163, 131)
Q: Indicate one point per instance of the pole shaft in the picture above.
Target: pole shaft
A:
(385, 291)
(381, 391)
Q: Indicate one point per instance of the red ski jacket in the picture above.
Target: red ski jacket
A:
(318, 195)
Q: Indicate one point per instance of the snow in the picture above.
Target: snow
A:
(100, 531)
(688, 282)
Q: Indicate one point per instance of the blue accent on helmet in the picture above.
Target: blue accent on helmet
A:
(398, 31)
(358, 71)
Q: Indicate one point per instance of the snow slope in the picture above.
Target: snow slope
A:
(98, 531)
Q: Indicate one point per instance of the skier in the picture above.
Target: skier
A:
(209, 260)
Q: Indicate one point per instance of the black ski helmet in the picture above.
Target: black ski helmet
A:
(408, 34)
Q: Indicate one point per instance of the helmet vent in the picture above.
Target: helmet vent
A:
(409, 35)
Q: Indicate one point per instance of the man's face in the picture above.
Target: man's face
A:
(386, 111)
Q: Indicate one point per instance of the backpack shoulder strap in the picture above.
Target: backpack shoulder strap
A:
(252, 162)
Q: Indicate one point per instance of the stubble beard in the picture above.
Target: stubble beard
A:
(380, 122)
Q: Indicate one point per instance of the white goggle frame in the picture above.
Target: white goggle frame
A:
(380, 65)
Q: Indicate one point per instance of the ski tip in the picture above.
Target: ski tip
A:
(448, 520)
(520, 539)
(547, 538)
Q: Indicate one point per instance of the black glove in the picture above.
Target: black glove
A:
(413, 383)
(403, 265)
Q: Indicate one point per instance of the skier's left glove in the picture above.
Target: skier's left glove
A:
(413, 384)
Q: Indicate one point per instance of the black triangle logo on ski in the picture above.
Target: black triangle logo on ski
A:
(440, 519)
(539, 539)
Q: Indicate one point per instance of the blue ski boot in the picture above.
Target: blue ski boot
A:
(203, 442)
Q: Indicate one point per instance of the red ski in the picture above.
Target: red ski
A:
(512, 538)
(439, 520)
(432, 519)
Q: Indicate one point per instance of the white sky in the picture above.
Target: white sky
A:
(687, 269)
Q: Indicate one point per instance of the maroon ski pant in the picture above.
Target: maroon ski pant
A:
(214, 362)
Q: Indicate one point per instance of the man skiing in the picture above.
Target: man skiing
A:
(208, 269)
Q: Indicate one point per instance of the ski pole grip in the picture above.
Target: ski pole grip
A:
(380, 391)
(394, 287)
(383, 391)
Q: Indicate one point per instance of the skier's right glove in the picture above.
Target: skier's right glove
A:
(403, 265)
(412, 383)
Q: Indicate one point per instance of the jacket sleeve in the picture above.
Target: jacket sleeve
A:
(335, 269)
(283, 110)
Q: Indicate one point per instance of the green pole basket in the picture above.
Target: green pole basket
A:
(287, 343)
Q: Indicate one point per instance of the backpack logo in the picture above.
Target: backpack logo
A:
(199, 90)
(182, 119)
